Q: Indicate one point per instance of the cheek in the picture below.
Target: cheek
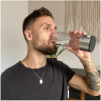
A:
(44, 36)
(35, 37)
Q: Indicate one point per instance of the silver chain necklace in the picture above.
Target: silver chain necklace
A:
(40, 78)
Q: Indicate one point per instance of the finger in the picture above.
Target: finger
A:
(70, 31)
(79, 32)
(75, 32)
(84, 33)
(69, 48)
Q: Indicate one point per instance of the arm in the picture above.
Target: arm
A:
(91, 83)
(92, 75)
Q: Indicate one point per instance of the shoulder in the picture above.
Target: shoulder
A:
(57, 64)
(62, 68)
(11, 71)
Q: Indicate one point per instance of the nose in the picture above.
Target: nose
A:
(54, 35)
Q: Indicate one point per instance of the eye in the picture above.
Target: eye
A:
(46, 28)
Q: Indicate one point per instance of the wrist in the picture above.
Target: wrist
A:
(85, 58)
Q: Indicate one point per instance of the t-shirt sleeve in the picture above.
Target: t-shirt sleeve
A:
(68, 72)
(5, 90)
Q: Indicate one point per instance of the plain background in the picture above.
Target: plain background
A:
(13, 44)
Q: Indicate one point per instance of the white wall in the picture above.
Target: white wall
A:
(56, 7)
(13, 45)
(58, 10)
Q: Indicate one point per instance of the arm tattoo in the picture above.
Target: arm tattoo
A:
(93, 80)
(92, 76)
(86, 65)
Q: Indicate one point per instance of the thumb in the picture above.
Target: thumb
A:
(71, 50)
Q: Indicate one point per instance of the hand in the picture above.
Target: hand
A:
(74, 44)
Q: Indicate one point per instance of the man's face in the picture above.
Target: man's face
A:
(42, 32)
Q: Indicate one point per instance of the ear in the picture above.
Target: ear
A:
(28, 35)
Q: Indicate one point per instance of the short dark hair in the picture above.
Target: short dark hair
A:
(30, 19)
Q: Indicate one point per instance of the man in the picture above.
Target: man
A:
(39, 78)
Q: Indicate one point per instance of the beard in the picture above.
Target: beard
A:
(44, 49)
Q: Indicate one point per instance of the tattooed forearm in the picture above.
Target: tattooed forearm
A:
(92, 75)
(93, 80)
(88, 65)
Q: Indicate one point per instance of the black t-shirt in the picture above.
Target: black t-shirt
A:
(20, 83)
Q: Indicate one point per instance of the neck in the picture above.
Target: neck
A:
(34, 59)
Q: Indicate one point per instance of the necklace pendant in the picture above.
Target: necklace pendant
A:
(41, 81)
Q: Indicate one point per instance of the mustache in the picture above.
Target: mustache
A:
(52, 41)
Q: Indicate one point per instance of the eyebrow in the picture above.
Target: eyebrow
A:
(48, 25)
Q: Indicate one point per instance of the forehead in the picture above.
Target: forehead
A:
(44, 19)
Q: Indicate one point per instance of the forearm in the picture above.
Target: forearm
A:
(92, 75)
